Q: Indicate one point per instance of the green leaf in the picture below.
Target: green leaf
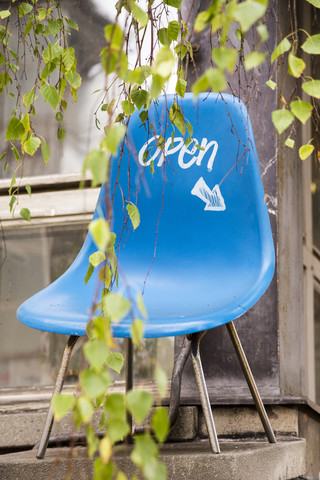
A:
(45, 150)
(74, 79)
(71, 23)
(289, 142)
(305, 151)
(145, 449)
(115, 407)
(15, 129)
(201, 85)
(163, 36)
(312, 88)
(105, 449)
(117, 429)
(173, 3)
(263, 32)
(315, 3)
(302, 110)
(102, 471)
(95, 384)
(42, 13)
(113, 137)
(248, 12)
(139, 404)
(12, 202)
(283, 47)
(15, 153)
(89, 274)
(282, 119)
(29, 97)
(254, 59)
(134, 215)
(160, 424)
(92, 441)
(4, 14)
(122, 476)
(53, 50)
(85, 409)
(139, 14)
(139, 97)
(28, 189)
(312, 45)
(136, 331)
(32, 145)
(155, 470)
(271, 84)
(114, 35)
(54, 26)
(224, 58)
(216, 79)
(161, 380)
(295, 65)
(181, 87)
(50, 95)
(173, 30)
(62, 404)
(48, 69)
(100, 232)
(96, 258)
(127, 107)
(115, 361)
(157, 85)
(116, 305)
(141, 305)
(97, 161)
(105, 275)
(25, 214)
(164, 63)
(4, 80)
(25, 8)
(27, 29)
(68, 58)
(177, 118)
(96, 352)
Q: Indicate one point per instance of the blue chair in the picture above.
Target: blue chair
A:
(203, 253)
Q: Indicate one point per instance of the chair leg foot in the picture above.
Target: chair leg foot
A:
(203, 392)
(72, 340)
(251, 382)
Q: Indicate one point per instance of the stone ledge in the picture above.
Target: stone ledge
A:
(245, 421)
(238, 460)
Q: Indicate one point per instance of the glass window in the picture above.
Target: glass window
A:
(32, 256)
(79, 120)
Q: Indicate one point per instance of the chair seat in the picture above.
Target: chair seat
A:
(172, 306)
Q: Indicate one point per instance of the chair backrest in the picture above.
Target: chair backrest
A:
(204, 247)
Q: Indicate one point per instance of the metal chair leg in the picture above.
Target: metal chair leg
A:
(72, 340)
(251, 382)
(176, 380)
(203, 392)
(129, 383)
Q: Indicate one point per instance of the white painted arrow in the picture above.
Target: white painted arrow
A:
(212, 198)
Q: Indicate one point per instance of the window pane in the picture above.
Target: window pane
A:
(30, 259)
(79, 121)
(317, 343)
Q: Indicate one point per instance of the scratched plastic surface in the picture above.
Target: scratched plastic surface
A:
(203, 253)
